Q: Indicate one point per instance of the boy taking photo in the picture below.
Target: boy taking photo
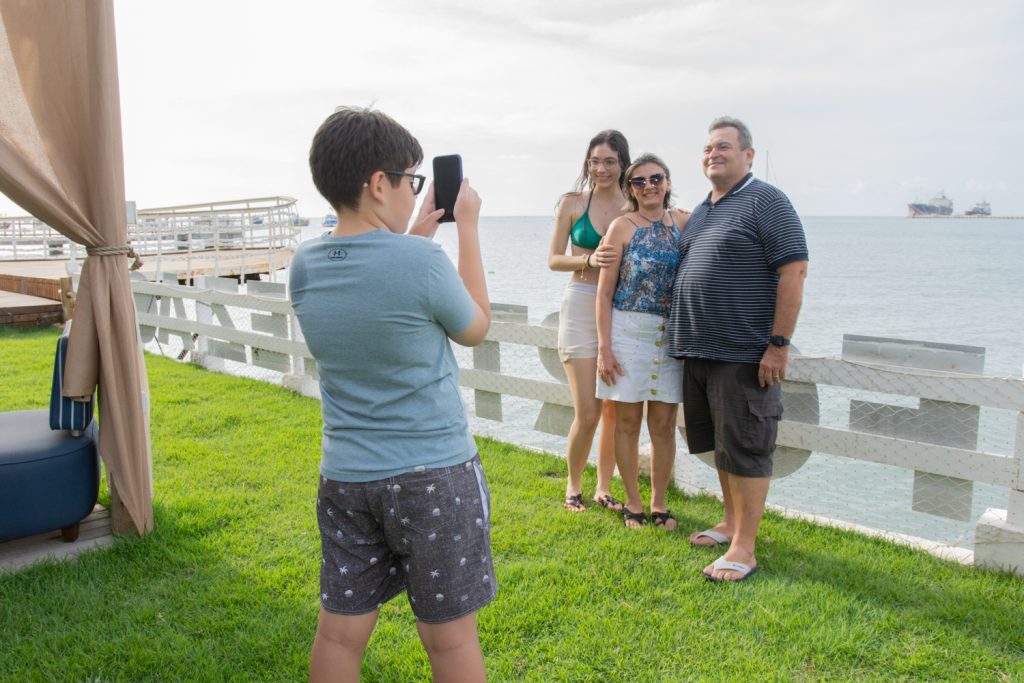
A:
(402, 504)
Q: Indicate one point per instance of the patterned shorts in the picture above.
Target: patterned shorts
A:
(425, 532)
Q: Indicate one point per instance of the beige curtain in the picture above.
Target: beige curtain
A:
(61, 160)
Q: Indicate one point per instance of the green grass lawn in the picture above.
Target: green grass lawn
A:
(225, 588)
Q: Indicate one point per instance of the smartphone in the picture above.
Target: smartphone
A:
(447, 181)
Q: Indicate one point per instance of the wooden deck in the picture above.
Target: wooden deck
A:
(94, 532)
(30, 291)
(24, 310)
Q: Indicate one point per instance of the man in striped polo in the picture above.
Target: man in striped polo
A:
(734, 308)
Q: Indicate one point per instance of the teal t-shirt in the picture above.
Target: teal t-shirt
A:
(375, 310)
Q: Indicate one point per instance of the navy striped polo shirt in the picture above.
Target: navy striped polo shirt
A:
(723, 299)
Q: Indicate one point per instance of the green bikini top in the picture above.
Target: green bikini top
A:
(582, 232)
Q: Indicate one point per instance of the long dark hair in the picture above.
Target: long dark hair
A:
(615, 140)
(634, 205)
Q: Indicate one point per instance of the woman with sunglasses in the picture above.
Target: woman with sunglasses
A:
(581, 220)
(634, 295)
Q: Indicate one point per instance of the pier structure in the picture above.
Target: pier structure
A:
(242, 239)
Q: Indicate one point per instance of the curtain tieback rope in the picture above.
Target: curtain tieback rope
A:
(126, 250)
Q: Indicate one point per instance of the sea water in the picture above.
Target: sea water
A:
(954, 281)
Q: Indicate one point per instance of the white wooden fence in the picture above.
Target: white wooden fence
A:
(927, 420)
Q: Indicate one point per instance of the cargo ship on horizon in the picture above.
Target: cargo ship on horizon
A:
(979, 209)
(940, 205)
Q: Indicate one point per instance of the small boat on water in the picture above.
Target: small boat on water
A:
(940, 205)
(300, 222)
(979, 209)
(330, 220)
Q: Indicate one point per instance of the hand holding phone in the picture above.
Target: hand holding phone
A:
(447, 181)
(427, 218)
(467, 206)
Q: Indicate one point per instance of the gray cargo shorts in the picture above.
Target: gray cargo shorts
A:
(728, 411)
(425, 532)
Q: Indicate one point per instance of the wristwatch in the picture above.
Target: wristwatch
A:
(777, 340)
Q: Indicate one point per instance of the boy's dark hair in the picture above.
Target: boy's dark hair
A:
(634, 205)
(352, 144)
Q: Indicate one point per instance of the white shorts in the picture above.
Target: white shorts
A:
(577, 322)
(640, 345)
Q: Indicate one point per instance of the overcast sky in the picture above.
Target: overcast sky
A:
(861, 105)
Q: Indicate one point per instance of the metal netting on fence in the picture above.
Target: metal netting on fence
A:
(897, 436)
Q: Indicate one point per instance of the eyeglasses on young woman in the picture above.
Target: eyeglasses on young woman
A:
(608, 163)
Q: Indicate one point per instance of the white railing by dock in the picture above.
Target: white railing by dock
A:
(947, 439)
(236, 226)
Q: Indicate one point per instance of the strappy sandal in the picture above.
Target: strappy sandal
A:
(639, 517)
(609, 503)
(575, 503)
(660, 519)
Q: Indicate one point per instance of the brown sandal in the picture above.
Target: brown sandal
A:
(660, 519)
(609, 503)
(574, 503)
(628, 516)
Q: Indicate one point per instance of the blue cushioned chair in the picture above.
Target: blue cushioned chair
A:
(49, 468)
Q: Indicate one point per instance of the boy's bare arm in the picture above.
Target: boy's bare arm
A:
(471, 265)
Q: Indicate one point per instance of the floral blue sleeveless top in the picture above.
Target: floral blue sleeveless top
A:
(648, 269)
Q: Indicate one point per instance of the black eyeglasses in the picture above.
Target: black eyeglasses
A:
(415, 180)
(639, 182)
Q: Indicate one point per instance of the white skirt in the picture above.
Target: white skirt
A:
(577, 322)
(640, 345)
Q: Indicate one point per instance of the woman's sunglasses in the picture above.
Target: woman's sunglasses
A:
(639, 182)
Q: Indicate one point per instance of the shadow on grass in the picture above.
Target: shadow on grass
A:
(924, 591)
(589, 599)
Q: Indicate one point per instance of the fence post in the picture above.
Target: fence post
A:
(211, 353)
(999, 536)
(487, 356)
(173, 307)
(937, 422)
(304, 377)
(553, 418)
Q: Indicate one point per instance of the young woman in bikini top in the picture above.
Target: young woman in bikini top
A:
(581, 219)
